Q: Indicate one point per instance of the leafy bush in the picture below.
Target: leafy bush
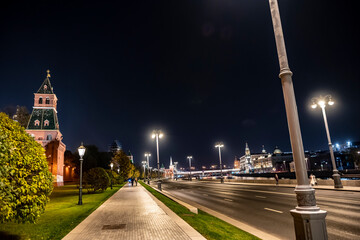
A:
(96, 179)
(116, 178)
(25, 181)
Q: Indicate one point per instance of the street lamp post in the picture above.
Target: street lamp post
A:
(111, 182)
(148, 155)
(144, 165)
(309, 220)
(81, 151)
(189, 158)
(175, 169)
(220, 145)
(322, 102)
(157, 134)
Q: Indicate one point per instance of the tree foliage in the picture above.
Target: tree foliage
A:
(96, 179)
(25, 181)
(122, 161)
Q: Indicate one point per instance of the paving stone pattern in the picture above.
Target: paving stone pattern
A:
(132, 206)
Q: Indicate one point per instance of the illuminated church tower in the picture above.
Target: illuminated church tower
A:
(44, 127)
(248, 165)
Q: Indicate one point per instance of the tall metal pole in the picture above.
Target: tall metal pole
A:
(80, 187)
(147, 156)
(190, 178)
(221, 174)
(336, 176)
(309, 220)
(157, 149)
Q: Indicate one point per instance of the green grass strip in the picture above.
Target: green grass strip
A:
(207, 225)
(62, 214)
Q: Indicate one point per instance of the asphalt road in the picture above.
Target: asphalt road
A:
(267, 207)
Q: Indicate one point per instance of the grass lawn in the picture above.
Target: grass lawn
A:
(207, 225)
(61, 215)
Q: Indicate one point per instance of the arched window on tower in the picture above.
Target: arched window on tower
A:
(47, 101)
(40, 100)
(37, 122)
(46, 123)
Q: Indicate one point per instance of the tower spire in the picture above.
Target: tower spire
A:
(48, 73)
(247, 150)
(263, 149)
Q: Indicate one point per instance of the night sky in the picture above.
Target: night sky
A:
(201, 71)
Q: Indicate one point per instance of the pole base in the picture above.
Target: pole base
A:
(310, 225)
(337, 180)
(222, 180)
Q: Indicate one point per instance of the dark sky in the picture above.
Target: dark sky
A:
(202, 71)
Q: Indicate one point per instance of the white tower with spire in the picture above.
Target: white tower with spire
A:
(248, 165)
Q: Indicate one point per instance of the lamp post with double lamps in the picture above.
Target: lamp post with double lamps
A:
(111, 165)
(157, 134)
(219, 145)
(81, 151)
(148, 155)
(322, 102)
(309, 220)
(144, 165)
(190, 158)
(175, 169)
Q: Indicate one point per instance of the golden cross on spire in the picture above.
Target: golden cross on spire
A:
(48, 73)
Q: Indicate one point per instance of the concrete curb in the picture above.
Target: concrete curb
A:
(190, 231)
(167, 194)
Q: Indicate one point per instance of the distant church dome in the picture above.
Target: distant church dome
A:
(277, 150)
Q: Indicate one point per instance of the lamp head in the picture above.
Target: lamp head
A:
(219, 145)
(81, 150)
(313, 105)
(111, 165)
(321, 103)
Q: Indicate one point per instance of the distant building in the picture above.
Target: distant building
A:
(131, 157)
(264, 162)
(115, 146)
(44, 127)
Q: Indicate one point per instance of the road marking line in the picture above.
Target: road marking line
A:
(273, 210)
(205, 194)
(260, 196)
(226, 199)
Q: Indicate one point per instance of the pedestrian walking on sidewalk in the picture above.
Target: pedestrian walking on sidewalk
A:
(132, 182)
(277, 179)
(313, 181)
(136, 181)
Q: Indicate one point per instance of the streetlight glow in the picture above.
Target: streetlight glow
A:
(81, 150)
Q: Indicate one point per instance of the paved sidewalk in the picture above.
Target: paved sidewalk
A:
(131, 213)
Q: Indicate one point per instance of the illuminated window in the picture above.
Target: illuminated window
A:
(46, 123)
(47, 101)
(49, 137)
(37, 122)
(45, 87)
(40, 100)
